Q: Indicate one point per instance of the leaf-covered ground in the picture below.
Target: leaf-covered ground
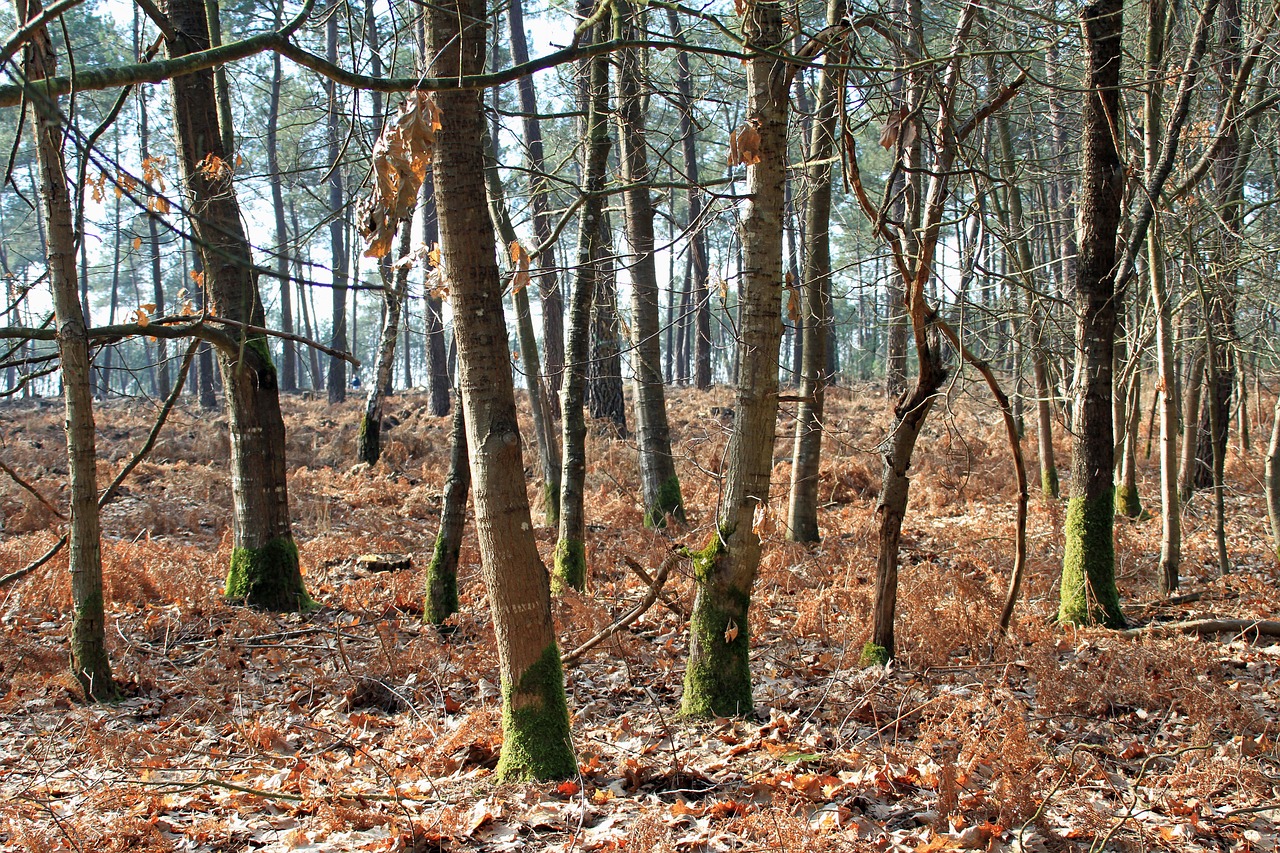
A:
(359, 728)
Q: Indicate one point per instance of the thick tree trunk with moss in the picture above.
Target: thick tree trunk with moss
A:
(806, 458)
(264, 569)
(442, 573)
(659, 485)
(718, 678)
(535, 719)
(89, 661)
(394, 286)
(570, 557)
(1088, 593)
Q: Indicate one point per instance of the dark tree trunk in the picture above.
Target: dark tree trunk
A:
(337, 379)
(442, 573)
(264, 569)
(289, 359)
(1088, 593)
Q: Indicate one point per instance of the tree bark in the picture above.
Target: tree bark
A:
(659, 485)
(1088, 593)
(1272, 473)
(337, 379)
(89, 661)
(717, 679)
(289, 358)
(571, 557)
(394, 286)
(806, 458)
(539, 192)
(442, 572)
(437, 358)
(264, 569)
(535, 719)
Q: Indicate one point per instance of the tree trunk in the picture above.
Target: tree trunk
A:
(717, 679)
(337, 379)
(700, 265)
(442, 573)
(1273, 479)
(89, 661)
(535, 719)
(539, 192)
(394, 285)
(539, 401)
(806, 458)
(153, 242)
(264, 569)
(605, 396)
(571, 550)
(289, 359)
(1088, 593)
(659, 485)
(437, 357)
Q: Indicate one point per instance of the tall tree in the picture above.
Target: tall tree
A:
(535, 718)
(264, 569)
(1088, 593)
(289, 359)
(717, 679)
(660, 487)
(89, 661)
(337, 378)
(571, 549)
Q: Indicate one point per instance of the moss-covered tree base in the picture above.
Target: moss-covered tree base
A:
(1128, 504)
(369, 442)
(442, 584)
(717, 681)
(669, 504)
(873, 655)
(536, 744)
(1089, 595)
(268, 578)
(570, 566)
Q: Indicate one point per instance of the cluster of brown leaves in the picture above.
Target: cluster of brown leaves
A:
(359, 728)
(401, 157)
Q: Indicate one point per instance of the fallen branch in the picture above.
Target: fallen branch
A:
(1240, 627)
(667, 601)
(655, 589)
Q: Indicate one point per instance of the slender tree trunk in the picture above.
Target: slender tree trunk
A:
(394, 285)
(806, 458)
(1088, 593)
(701, 267)
(571, 550)
(539, 401)
(605, 396)
(433, 310)
(535, 718)
(311, 330)
(337, 378)
(717, 679)
(1192, 390)
(153, 241)
(442, 573)
(1273, 479)
(660, 487)
(539, 192)
(89, 661)
(289, 359)
(264, 569)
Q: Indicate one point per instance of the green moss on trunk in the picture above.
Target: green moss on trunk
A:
(1089, 594)
(570, 566)
(717, 680)
(1049, 482)
(873, 655)
(268, 578)
(89, 662)
(1128, 504)
(551, 504)
(442, 584)
(669, 503)
(369, 442)
(536, 744)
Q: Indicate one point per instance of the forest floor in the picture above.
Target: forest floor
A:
(357, 727)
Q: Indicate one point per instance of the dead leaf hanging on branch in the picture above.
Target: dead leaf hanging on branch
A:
(520, 258)
(401, 157)
(744, 146)
(895, 125)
